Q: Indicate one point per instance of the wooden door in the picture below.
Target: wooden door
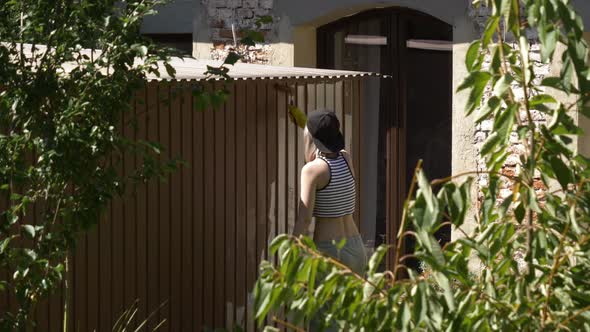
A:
(412, 110)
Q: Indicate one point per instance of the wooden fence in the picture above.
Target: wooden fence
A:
(188, 248)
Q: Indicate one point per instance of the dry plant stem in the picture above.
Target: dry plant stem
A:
(405, 216)
(452, 177)
(286, 324)
(532, 167)
(557, 261)
(576, 314)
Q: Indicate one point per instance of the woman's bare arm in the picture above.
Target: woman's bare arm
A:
(307, 200)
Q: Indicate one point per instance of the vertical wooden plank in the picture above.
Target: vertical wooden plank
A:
(251, 197)
(262, 215)
(220, 197)
(230, 211)
(105, 306)
(129, 221)
(320, 94)
(282, 163)
(272, 171)
(42, 309)
(164, 203)
(291, 160)
(299, 160)
(4, 275)
(81, 286)
(350, 134)
(241, 193)
(199, 217)
(93, 284)
(153, 212)
(117, 240)
(142, 225)
(53, 309)
(70, 275)
(345, 118)
(330, 97)
(357, 145)
(311, 104)
(187, 174)
(209, 232)
(175, 208)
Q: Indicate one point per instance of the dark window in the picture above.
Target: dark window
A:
(406, 117)
(183, 42)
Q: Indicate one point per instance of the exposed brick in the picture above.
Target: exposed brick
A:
(226, 15)
(217, 24)
(512, 160)
(245, 13)
(250, 3)
(486, 125)
(539, 185)
(266, 4)
(509, 171)
(233, 3)
(227, 33)
(218, 3)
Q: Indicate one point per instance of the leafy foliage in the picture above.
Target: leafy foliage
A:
(69, 70)
(548, 288)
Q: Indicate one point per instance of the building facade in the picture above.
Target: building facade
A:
(414, 113)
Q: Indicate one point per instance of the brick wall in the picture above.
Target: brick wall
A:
(512, 165)
(242, 14)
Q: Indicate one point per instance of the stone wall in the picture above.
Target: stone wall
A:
(242, 14)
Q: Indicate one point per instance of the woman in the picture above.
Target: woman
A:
(328, 192)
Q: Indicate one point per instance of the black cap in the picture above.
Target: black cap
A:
(324, 127)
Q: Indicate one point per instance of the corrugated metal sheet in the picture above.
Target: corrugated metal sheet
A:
(192, 244)
(194, 69)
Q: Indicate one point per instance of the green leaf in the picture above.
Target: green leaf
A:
(476, 81)
(202, 100)
(232, 58)
(490, 29)
(264, 19)
(277, 242)
(519, 212)
(262, 304)
(297, 116)
(541, 99)
(376, 258)
(443, 282)
(141, 50)
(170, 70)
(29, 230)
(555, 83)
(473, 56)
(492, 105)
(490, 143)
(548, 39)
(502, 85)
(562, 172)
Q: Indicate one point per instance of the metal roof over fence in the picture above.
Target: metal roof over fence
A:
(194, 69)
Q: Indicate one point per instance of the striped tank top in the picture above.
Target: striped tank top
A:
(338, 197)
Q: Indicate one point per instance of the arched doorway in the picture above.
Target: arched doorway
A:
(406, 117)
